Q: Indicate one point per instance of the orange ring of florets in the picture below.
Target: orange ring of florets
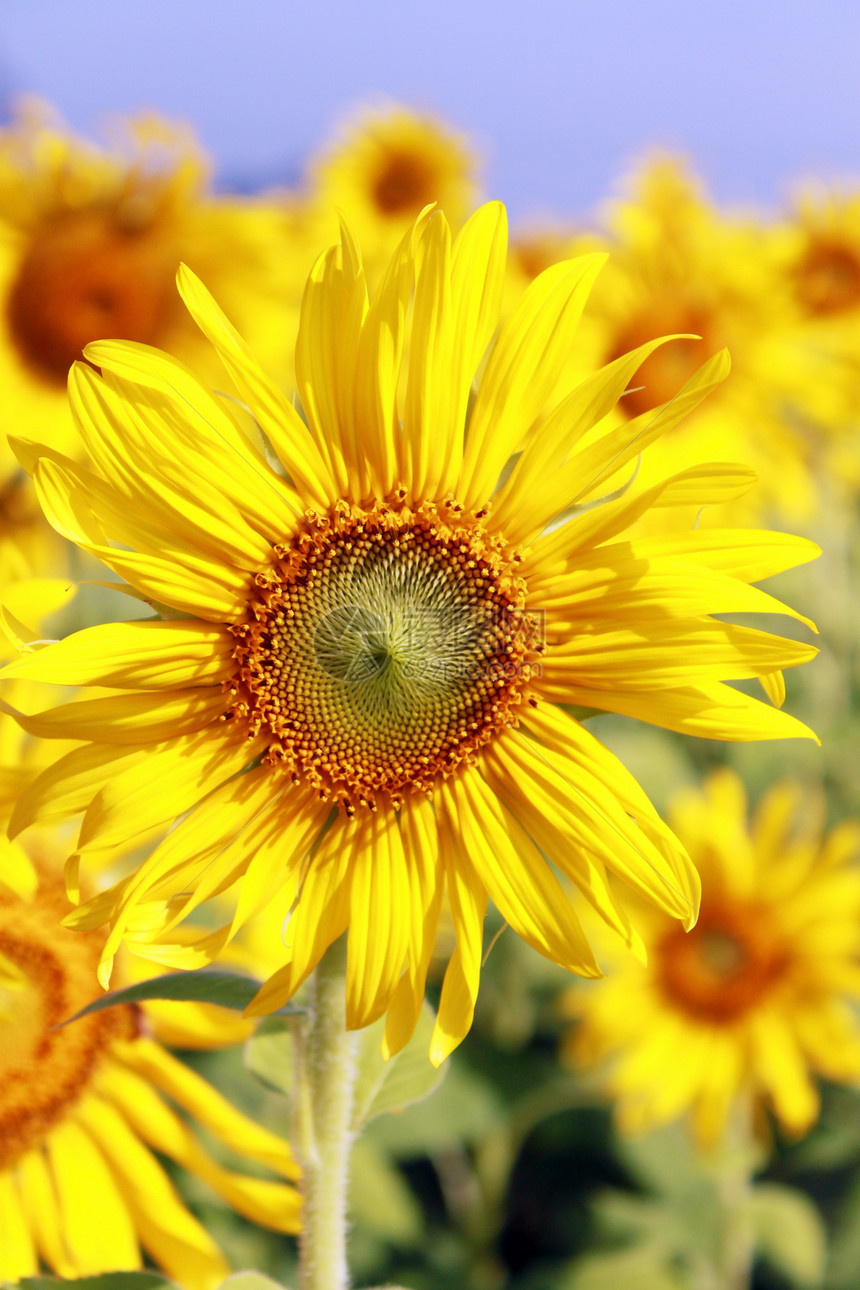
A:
(385, 647)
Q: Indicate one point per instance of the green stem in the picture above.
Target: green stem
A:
(734, 1188)
(325, 1078)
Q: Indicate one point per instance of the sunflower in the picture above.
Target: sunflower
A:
(826, 266)
(83, 1108)
(816, 251)
(388, 163)
(360, 693)
(90, 241)
(680, 266)
(759, 997)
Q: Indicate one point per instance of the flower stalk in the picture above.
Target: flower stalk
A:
(322, 1124)
(734, 1182)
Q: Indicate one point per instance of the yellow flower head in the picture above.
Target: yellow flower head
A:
(680, 267)
(758, 997)
(90, 241)
(377, 623)
(816, 252)
(389, 163)
(84, 1107)
(825, 265)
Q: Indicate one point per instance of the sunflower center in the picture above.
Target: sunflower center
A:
(404, 185)
(90, 275)
(664, 372)
(43, 1072)
(827, 278)
(724, 966)
(384, 649)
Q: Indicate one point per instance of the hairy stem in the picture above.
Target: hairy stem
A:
(325, 1077)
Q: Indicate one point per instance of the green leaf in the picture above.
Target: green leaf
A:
(789, 1234)
(380, 1199)
(643, 1267)
(466, 1108)
(250, 1281)
(269, 1055)
(203, 985)
(391, 1085)
(105, 1281)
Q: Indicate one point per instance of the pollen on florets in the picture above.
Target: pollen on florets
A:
(383, 648)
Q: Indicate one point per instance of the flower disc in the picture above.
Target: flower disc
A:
(88, 275)
(386, 648)
(725, 966)
(828, 277)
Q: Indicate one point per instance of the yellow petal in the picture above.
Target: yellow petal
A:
(279, 420)
(468, 899)
(129, 718)
(171, 778)
(41, 1209)
(174, 1239)
(477, 281)
(773, 684)
(333, 310)
(711, 711)
(548, 449)
(608, 803)
(187, 582)
(272, 1203)
(654, 656)
(99, 1238)
(208, 1107)
(698, 486)
(17, 1252)
(378, 367)
(429, 424)
(585, 472)
(378, 921)
(70, 784)
(147, 655)
(517, 877)
(523, 372)
(322, 910)
(425, 876)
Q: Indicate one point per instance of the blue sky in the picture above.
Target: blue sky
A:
(559, 96)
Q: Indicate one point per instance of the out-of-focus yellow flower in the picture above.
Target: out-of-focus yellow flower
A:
(362, 701)
(386, 165)
(84, 1108)
(678, 266)
(816, 250)
(90, 241)
(758, 997)
(825, 270)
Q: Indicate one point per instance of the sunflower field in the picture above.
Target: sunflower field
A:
(428, 723)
